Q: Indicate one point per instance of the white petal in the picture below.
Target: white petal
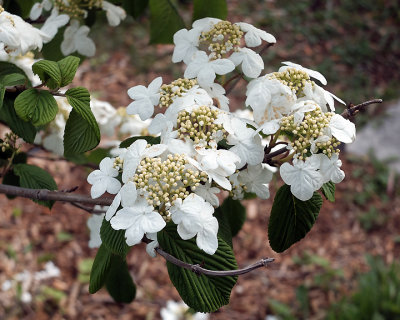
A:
(134, 235)
(124, 218)
(152, 222)
(342, 129)
(222, 66)
(114, 207)
(113, 185)
(128, 194)
(98, 189)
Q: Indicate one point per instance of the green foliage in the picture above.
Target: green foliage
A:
(101, 267)
(68, 67)
(377, 296)
(291, 219)
(36, 106)
(200, 292)
(165, 21)
(33, 177)
(209, 8)
(135, 8)
(150, 140)
(113, 240)
(372, 219)
(82, 132)
(119, 282)
(231, 216)
(328, 190)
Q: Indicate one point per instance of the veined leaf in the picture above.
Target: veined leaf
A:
(328, 190)
(49, 72)
(165, 21)
(200, 292)
(209, 8)
(101, 267)
(33, 177)
(37, 106)
(150, 140)
(68, 67)
(114, 240)
(291, 219)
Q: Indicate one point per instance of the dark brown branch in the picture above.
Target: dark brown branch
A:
(269, 156)
(88, 209)
(43, 194)
(353, 110)
(197, 269)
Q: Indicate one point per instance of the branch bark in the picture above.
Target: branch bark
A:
(43, 194)
(353, 110)
(197, 269)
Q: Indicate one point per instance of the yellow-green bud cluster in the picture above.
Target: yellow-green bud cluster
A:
(222, 38)
(175, 89)
(312, 127)
(1, 9)
(198, 125)
(77, 8)
(118, 163)
(165, 181)
(293, 78)
(9, 141)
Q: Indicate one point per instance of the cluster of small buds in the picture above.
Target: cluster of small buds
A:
(118, 163)
(222, 38)
(9, 141)
(312, 127)
(165, 181)
(295, 79)
(76, 8)
(175, 89)
(237, 189)
(199, 124)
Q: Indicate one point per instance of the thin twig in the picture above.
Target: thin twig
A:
(197, 269)
(353, 110)
(43, 194)
(88, 209)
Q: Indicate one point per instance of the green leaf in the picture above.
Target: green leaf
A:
(150, 140)
(200, 292)
(13, 79)
(210, 8)
(10, 75)
(33, 177)
(114, 240)
(36, 106)
(7, 68)
(291, 219)
(82, 132)
(101, 267)
(165, 21)
(328, 190)
(23, 129)
(49, 72)
(231, 215)
(135, 8)
(68, 67)
(119, 282)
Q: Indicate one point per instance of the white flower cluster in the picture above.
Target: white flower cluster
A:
(17, 37)
(74, 11)
(180, 311)
(206, 148)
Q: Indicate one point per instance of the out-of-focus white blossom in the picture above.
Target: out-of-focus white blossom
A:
(180, 311)
(115, 14)
(76, 39)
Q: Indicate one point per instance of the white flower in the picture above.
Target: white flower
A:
(194, 96)
(137, 220)
(303, 177)
(186, 42)
(312, 73)
(254, 35)
(126, 197)
(342, 129)
(256, 179)
(94, 225)
(76, 39)
(330, 168)
(205, 70)
(151, 246)
(179, 311)
(246, 144)
(269, 99)
(269, 127)
(194, 216)
(322, 97)
(205, 24)
(208, 193)
(217, 92)
(114, 13)
(53, 23)
(135, 153)
(38, 7)
(104, 179)
(106, 116)
(218, 164)
(300, 108)
(18, 36)
(145, 99)
(252, 63)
